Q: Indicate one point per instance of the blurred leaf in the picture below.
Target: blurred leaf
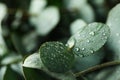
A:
(36, 6)
(18, 43)
(34, 74)
(47, 20)
(2, 72)
(77, 25)
(17, 68)
(74, 5)
(87, 62)
(11, 58)
(11, 75)
(3, 11)
(90, 39)
(113, 22)
(64, 76)
(87, 13)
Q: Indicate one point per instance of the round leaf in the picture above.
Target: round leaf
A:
(56, 57)
(90, 39)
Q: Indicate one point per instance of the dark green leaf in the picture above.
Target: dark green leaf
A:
(35, 74)
(11, 75)
(56, 57)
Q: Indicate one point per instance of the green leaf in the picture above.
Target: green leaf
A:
(34, 69)
(77, 25)
(114, 22)
(11, 75)
(35, 74)
(90, 39)
(17, 68)
(56, 57)
(33, 61)
(11, 58)
(2, 72)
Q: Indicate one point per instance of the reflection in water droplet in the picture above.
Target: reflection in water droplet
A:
(83, 49)
(70, 43)
(92, 33)
(91, 51)
(77, 49)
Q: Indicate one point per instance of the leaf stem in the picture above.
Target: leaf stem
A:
(107, 64)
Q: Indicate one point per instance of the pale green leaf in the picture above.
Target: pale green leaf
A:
(90, 39)
(114, 23)
(33, 61)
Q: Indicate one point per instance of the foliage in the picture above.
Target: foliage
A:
(59, 40)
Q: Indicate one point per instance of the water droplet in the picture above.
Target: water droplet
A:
(71, 43)
(77, 49)
(91, 51)
(88, 41)
(92, 33)
(117, 34)
(83, 49)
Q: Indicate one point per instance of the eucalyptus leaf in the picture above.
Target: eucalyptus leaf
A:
(77, 25)
(36, 7)
(2, 72)
(33, 61)
(17, 68)
(90, 39)
(35, 74)
(33, 66)
(11, 58)
(73, 5)
(47, 20)
(3, 11)
(56, 57)
(87, 62)
(113, 22)
(87, 13)
(11, 75)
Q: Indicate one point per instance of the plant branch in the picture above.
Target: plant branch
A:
(107, 64)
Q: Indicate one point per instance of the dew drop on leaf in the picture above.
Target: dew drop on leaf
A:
(83, 49)
(92, 33)
(77, 49)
